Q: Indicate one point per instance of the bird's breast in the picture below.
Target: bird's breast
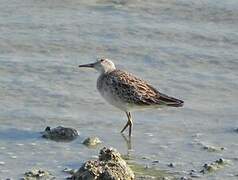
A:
(110, 93)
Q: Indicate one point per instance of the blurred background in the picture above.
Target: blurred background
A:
(187, 49)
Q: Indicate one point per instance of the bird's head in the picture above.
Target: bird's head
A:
(102, 65)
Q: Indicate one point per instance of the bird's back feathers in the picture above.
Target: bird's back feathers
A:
(133, 90)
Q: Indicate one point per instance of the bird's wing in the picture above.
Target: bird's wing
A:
(138, 91)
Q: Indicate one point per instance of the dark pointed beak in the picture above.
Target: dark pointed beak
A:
(91, 65)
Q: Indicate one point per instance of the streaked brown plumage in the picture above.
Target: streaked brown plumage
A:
(133, 90)
(127, 92)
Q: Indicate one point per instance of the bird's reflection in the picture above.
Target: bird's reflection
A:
(128, 145)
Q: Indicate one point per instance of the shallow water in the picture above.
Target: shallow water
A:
(185, 49)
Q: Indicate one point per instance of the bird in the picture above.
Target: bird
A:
(128, 92)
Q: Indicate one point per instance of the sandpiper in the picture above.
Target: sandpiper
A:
(127, 92)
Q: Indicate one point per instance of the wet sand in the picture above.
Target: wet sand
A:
(185, 49)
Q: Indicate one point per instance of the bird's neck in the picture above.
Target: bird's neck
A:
(108, 70)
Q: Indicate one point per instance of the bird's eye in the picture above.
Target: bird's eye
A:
(101, 60)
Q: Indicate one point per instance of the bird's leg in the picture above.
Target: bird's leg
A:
(129, 123)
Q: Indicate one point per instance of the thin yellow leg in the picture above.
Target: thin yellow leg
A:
(129, 123)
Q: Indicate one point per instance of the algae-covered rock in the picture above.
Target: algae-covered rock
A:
(60, 133)
(109, 166)
(92, 141)
(210, 167)
(37, 174)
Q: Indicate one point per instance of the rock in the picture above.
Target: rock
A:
(119, 2)
(171, 165)
(194, 174)
(37, 174)
(109, 166)
(145, 158)
(69, 171)
(92, 141)
(214, 166)
(185, 178)
(213, 148)
(146, 177)
(155, 162)
(210, 148)
(166, 178)
(60, 133)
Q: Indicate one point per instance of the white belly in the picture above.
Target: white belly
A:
(114, 100)
(126, 107)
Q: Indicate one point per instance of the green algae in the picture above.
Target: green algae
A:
(142, 172)
(92, 142)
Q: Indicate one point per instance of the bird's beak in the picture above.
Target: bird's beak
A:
(91, 65)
